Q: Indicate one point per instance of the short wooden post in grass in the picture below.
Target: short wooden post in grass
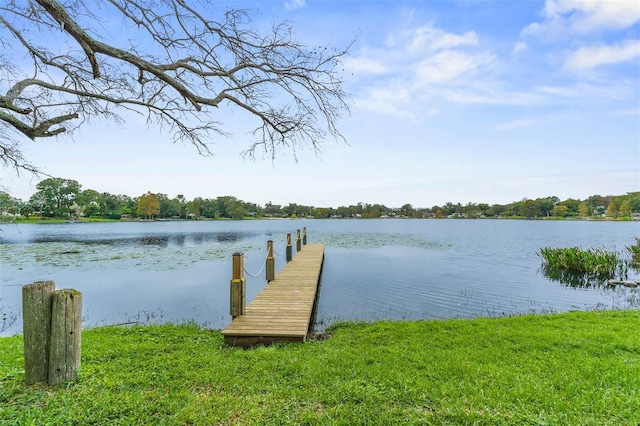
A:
(36, 326)
(304, 236)
(238, 286)
(66, 333)
(289, 248)
(298, 242)
(271, 262)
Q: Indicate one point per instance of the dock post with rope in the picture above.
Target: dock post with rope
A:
(238, 287)
(271, 262)
(284, 310)
(289, 248)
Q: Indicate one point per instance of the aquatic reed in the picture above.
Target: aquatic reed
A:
(596, 262)
(634, 251)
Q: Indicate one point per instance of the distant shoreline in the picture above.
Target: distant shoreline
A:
(51, 221)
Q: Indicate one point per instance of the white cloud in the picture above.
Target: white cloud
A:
(419, 67)
(519, 47)
(587, 92)
(294, 4)
(631, 112)
(415, 66)
(593, 56)
(389, 100)
(448, 66)
(427, 39)
(584, 16)
(561, 91)
(489, 95)
(363, 65)
(515, 124)
(590, 15)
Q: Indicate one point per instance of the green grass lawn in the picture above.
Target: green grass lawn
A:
(563, 369)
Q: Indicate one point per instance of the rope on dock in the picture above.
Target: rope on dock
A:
(257, 273)
(281, 253)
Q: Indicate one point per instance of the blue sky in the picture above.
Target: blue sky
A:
(461, 101)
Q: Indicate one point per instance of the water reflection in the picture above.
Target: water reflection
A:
(573, 278)
(585, 280)
(224, 237)
(154, 241)
(159, 240)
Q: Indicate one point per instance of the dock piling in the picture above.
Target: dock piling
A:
(289, 248)
(238, 290)
(66, 335)
(271, 262)
(36, 316)
(52, 324)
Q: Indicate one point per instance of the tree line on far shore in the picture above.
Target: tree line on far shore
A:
(65, 198)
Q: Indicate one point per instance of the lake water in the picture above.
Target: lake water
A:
(374, 269)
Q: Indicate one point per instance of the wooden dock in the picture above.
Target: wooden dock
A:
(283, 310)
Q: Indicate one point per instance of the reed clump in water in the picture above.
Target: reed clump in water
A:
(597, 263)
(634, 251)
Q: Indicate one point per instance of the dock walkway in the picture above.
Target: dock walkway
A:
(282, 311)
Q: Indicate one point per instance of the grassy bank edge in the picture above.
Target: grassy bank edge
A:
(570, 368)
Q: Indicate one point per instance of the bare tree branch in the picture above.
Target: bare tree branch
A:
(11, 155)
(181, 65)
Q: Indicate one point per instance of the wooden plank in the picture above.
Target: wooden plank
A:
(282, 311)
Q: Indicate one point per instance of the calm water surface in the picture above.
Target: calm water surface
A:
(374, 269)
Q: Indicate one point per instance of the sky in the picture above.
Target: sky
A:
(450, 101)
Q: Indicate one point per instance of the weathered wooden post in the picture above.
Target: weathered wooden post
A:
(289, 248)
(238, 286)
(66, 333)
(304, 236)
(298, 242)
(271, 262)
(36, 326)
